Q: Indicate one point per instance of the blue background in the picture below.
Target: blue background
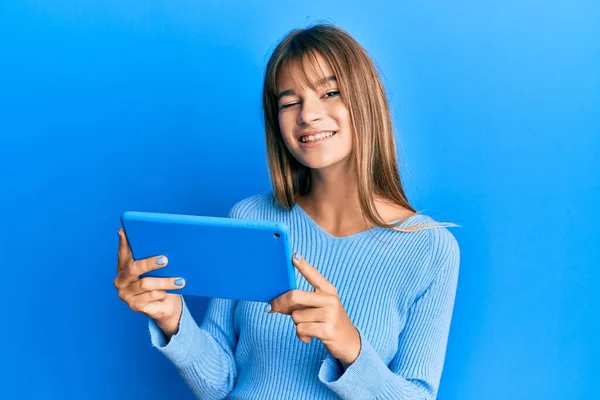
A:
(155, 106)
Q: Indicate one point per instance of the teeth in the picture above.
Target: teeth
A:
(318, 136)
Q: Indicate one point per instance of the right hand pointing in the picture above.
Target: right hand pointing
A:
(148, 295)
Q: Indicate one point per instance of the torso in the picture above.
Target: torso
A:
(269, 356)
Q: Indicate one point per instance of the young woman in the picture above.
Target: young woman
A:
(376, 279)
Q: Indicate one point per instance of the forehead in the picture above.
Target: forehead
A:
(307, 71)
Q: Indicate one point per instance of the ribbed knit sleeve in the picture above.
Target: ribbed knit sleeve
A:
(415, 370)
(203, 355)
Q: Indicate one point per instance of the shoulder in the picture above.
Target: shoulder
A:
(442, 244)
(438, 247)
(424, 240)
(443, 253)
(249, 207)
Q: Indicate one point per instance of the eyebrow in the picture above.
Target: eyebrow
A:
(319, 83)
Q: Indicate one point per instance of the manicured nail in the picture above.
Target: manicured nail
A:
(179, 282)
(161, 261)
(297, 256)
(268, 308)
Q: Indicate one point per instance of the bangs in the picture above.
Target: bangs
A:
(305, 58)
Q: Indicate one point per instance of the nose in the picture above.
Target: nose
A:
(312, 110)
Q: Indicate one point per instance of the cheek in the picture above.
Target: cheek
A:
(343, 116)
(339, 113)
(286, 125)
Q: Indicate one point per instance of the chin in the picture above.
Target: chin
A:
(322, 162)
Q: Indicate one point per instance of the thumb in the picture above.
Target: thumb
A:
(124, 253)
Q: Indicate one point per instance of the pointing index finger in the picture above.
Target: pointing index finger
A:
(312, 275)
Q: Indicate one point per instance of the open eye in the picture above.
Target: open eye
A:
(331, 93)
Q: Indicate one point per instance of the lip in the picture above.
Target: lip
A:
(316, 143)
(308, 133)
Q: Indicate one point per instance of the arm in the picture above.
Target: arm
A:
(415, 370)
(203, 355)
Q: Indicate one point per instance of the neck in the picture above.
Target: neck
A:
(333, 199)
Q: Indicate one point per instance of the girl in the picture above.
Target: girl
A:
(376, 279)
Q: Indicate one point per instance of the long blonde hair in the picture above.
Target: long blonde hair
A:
(373, 157)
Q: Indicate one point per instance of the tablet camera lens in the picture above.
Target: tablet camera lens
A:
(277, 235)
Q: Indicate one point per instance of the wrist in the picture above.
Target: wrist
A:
(170, 325)
(353, 351)
(344, 365)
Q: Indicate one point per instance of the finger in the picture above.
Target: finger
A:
(150, 284)
(299, 299)
(307, 330)
(137, 268)
(156, 310)
(141, 301)
(124, 253)
(310, 315)
(312, 275)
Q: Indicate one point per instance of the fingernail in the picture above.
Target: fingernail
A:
(268, 308)
(179, 282)
(297, 256)
(161, 261)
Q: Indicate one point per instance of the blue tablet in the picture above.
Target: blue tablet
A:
(218, 257)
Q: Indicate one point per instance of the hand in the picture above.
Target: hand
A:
(320, 314)
(148, 295)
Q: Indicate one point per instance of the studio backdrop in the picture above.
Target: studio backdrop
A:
(155, 106)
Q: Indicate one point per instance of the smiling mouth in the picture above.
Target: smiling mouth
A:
(318, 137)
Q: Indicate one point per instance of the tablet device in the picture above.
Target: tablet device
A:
(218, 257)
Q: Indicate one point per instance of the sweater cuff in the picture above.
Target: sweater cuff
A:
(179, 349)
(363, 379)
(197, 356)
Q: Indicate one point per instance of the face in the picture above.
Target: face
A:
(315, 123)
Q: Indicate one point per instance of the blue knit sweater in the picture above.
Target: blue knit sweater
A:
(398, 289)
